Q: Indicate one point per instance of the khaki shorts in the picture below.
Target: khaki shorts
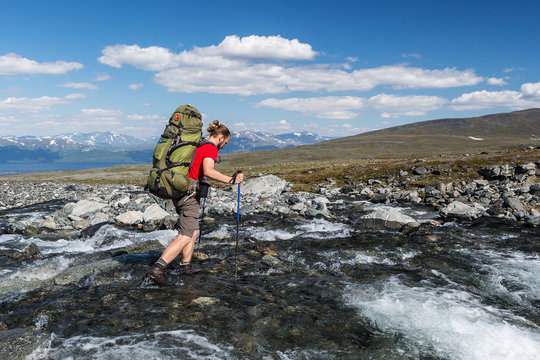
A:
(188, 210)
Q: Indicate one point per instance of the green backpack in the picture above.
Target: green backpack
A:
(173, 155)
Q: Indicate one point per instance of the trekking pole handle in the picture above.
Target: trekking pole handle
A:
(233, 180)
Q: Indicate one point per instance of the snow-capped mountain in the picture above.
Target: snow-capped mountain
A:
(250, 140)
(112, 147)
(105, 139)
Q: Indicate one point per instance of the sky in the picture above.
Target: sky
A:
(335, 68)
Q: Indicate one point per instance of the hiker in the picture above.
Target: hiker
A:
(188, 206)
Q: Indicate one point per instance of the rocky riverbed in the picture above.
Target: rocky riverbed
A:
(361, 271)
(504, 192)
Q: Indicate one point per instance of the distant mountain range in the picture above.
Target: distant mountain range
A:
(453, 136)
(115, 148)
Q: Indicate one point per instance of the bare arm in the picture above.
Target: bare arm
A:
(212, 173)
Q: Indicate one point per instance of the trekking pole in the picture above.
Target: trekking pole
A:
(201, 223)
(233, 180)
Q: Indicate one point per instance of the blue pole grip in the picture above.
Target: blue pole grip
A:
(238, 205)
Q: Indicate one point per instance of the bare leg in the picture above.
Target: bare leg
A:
(180, 243)
(187, 252)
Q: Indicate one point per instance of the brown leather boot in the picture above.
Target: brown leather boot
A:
(157, 273)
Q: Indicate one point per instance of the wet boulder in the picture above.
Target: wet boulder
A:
(154, 213)
(84, 208)
(386, 218)
(130, 218)
(272, 261)
(268, 185)
(459, 210)
(514, 204)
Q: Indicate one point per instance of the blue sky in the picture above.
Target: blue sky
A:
(336, 68)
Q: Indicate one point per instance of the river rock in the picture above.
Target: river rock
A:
(528, 168)
(19, 343)
(205, 301)
(130, 218)
(420, 170)
(366, 193)
(387, 218)
(514, 204)
(533, 221)
(154, 213)
(84, 208)
(268, 185)
(460, 210)
(534, 189)
(272, 261)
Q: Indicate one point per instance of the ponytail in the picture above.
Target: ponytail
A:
(215, 129)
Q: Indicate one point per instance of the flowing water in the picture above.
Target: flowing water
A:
(337, 292)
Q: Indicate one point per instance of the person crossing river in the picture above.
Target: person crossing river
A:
(188, 207)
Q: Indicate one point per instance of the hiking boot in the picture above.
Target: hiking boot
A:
(157, 274)
(186, 269)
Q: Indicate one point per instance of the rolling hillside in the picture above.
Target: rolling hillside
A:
(418, 139)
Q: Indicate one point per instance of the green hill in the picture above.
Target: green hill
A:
(443, 136)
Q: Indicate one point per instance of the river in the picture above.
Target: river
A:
(325, 290)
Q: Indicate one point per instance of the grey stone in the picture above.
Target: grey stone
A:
(366, 193)
(272, 261)
(385, 218)
(84, 208)
(374, 182)
(80, 224)
(205, 301)
(481, 182)
(533, 221)
(154, 213)
(380, 199)
(514, 204)
(462, 211)
(420, 170)
(528, 168)
(268, 185)
(130, 218)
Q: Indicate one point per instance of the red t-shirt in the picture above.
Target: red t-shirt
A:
(205, 151)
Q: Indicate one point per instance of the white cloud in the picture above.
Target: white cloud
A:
(351, 59)
(411, 105)
(13, 64)
(138, 117)
(328, 107)
(273, 79)
(280, 125)
(135, 86)
(259, 48)
(531, 89)
(496, 81)
(342, 107)
(102, 77)
(414, 55)
(152, 58)
(228, 68)
(223, 55)
(529, 96)
(101, 112)
(84, 85)
(36, 104)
